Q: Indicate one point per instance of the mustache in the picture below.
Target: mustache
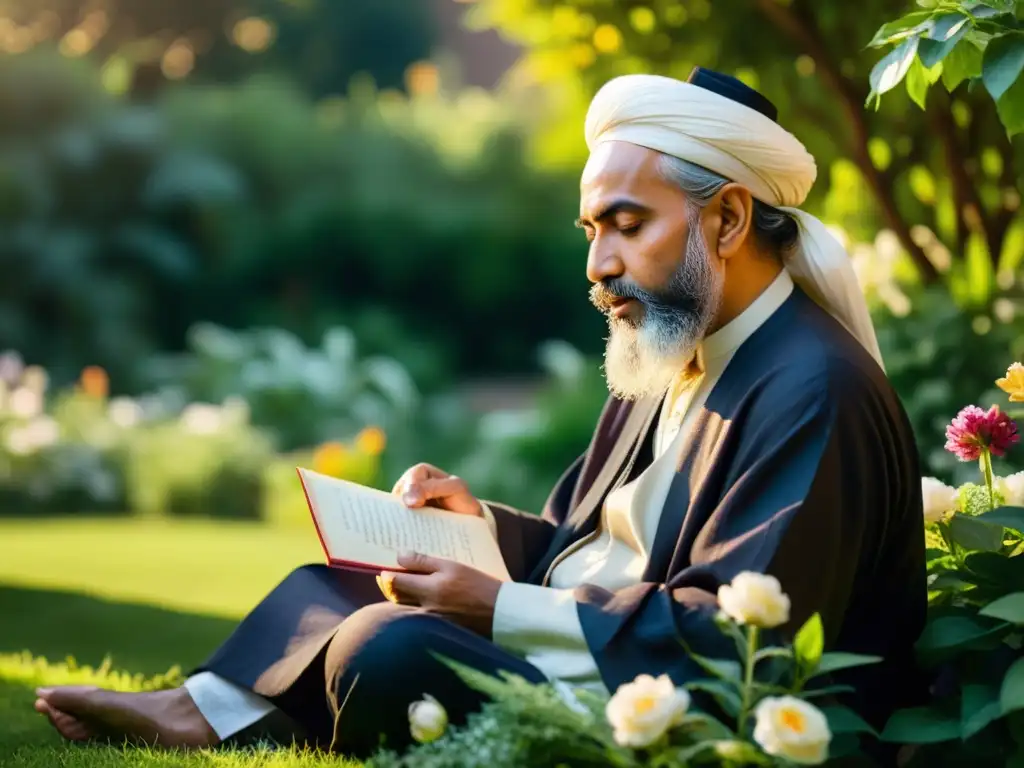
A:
(605, 294)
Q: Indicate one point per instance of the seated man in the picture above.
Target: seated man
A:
(750, 427)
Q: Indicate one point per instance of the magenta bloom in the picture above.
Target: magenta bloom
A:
(973, 430)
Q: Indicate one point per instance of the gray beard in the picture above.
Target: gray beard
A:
(642, 360)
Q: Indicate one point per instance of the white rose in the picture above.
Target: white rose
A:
(792, 729)
(1012, 489)
(643, 710)
(756, 599)
(427, 719)
(938, 499)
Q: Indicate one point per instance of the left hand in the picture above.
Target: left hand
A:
(461, 594)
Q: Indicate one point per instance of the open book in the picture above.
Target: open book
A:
(364, 529)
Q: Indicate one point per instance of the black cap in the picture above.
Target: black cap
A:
(731, 88)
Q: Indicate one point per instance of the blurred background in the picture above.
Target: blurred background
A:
(238, 236)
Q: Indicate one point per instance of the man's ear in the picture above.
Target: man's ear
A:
(736, 215)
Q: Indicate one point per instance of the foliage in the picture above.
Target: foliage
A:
(320, 45)
(255, 206)
(938, 356)
(977, 41)
(550, 725)
(948, 175)
(167, 453)
(301, 396)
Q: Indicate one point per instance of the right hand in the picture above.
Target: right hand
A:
(426, 485)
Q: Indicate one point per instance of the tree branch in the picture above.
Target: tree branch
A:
(970, 215)
(803, 31)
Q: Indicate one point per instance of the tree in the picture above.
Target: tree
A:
(143, 44)
(944, 179)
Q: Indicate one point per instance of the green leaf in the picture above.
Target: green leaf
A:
(833, 662)
(888, 72)
(721, 668)
(1006, 517)
(920, 725)
(809, 643)
(845, 720)
(1002, 63)
(973, 535)
(772, 652)
(831, 690)
(899, 28)
(979, 706)
(949, 633)
(1011, 693)
(1008, 608)
(953, 582)
(949, 29)
(997, 570)
(962, 63)
(727, 696)
(1011, 114)
(917, 83)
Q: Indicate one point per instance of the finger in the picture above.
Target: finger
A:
(411, 588)
(421, 492)
(416, 474)
(386, 582)
(419, 563)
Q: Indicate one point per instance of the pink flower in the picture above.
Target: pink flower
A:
(973, 430)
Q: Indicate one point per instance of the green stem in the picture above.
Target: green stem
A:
(986, 464)
(748, 681)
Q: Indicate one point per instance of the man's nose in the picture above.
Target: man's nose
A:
(603, 261)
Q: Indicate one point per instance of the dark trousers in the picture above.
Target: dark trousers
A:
(344, 665)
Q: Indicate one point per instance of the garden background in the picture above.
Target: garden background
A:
(243, 235)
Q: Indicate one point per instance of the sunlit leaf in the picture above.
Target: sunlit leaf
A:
(961, 63)
(900, 28)
(893, 67)
(1011, 108)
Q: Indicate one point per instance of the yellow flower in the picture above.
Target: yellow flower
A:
(1013, 384)
(427, 719)
(331, 459)
(792, 729)
(371, 441)
(95, 382)
(755, 599)
(642, 711)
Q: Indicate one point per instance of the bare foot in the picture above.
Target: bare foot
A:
(166, 719)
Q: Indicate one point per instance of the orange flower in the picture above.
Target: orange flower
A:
(1013, 384)
(371, 441)
(95, 382)
(331, 459)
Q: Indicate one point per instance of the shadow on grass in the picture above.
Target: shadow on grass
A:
(140, 638)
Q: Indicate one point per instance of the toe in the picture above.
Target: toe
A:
(69, 727)
(67, 698)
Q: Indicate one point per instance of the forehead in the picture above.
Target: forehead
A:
(617, 169)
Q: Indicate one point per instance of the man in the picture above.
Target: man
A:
(750, 428)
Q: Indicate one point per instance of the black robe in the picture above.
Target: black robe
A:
(803, 465)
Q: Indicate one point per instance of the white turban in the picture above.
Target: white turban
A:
(695, 124)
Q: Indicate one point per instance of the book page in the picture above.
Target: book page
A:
(367, 526)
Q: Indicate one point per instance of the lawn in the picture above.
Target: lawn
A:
(147, 597)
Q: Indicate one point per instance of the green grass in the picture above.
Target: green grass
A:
(147, 598)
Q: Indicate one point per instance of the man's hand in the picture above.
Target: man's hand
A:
(426, 484)
(457, 592)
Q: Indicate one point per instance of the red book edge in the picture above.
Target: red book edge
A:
(348, 565)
